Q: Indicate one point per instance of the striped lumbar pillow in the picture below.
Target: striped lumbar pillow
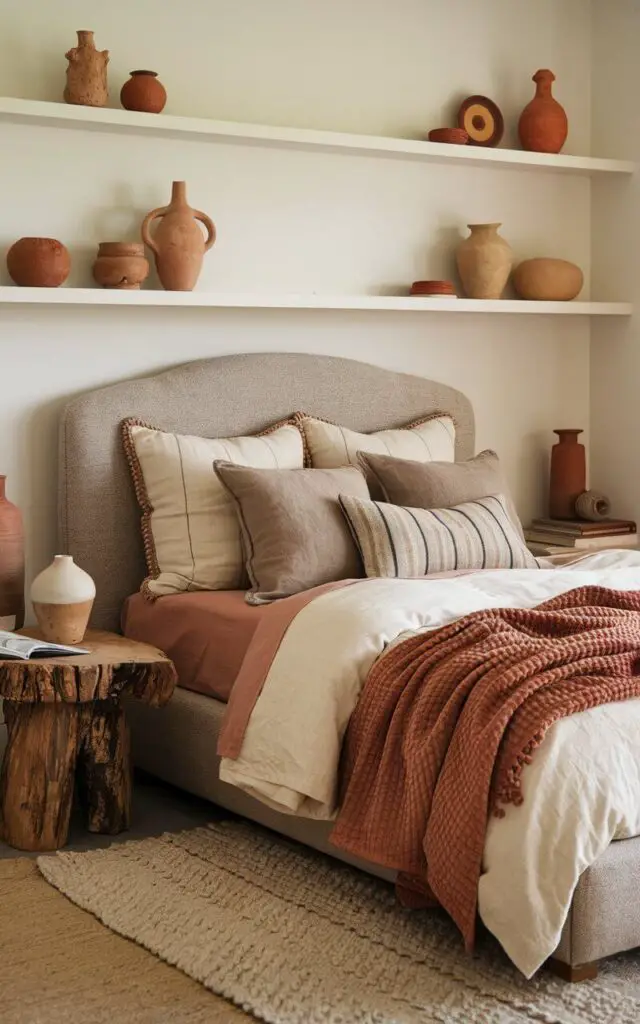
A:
(405, 542)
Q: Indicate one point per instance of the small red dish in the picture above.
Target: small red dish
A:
(454, 136)
(433, 288)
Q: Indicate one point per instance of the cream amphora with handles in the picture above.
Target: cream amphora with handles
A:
(178, 243)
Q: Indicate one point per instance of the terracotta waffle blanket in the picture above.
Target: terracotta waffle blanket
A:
(447, 720)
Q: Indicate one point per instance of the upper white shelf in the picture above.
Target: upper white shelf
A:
(103, 119)
(229, 300)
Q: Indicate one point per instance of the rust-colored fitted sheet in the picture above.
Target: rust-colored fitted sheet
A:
(206, 634)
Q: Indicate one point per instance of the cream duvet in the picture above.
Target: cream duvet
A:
(581, 791)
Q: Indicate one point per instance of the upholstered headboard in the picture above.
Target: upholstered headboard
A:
(221, 397)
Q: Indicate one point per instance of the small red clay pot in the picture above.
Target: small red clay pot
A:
(38, 262)
(144, 92)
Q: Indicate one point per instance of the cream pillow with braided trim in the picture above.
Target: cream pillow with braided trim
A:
(189, 525)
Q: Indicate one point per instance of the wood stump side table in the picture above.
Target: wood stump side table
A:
(66, 725)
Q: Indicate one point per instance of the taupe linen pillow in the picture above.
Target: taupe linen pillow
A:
(439, 484)
(293, 531)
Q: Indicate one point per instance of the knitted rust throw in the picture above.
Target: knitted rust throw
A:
(447, 720)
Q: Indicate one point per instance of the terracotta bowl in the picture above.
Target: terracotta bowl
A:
(455, 136)
(38, 262)
(547, 279)
(444, 288)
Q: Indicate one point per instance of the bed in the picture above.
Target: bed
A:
(99, 526)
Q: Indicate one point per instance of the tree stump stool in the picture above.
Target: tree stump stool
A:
(66, 727)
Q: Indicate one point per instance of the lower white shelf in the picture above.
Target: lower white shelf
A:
(110, 297)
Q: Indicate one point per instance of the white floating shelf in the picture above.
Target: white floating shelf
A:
(391, 303)
(62, 115)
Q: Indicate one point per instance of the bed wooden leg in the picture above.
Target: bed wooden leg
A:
(573, 972)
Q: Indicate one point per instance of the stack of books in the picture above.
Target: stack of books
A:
(561, 536)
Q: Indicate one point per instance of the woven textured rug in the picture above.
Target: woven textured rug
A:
(297, 938)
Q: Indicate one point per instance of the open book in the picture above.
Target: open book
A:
(25, 647)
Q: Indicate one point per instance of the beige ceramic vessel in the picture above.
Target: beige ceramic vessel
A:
(62, 597)
(484, 262)
(546, 279)
(178, 243)
(121, 265)
(87, 73)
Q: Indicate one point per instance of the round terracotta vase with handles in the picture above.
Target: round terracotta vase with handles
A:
(568, 477)
(178, 243)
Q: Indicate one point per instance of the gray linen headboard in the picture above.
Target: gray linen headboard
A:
(228, 395)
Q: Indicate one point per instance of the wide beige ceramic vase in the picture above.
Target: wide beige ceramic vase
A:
(62, 597)
(484, 262)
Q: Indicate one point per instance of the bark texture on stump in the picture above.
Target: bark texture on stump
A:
(65, 723)
(36, 784)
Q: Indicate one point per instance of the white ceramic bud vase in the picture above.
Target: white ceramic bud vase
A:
(62, 597)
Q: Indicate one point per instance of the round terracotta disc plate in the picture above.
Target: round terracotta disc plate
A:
(482, 119)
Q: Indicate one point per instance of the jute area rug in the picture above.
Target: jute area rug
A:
(296, 938)
(59, 965)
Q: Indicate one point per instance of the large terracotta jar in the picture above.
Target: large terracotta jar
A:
(568, 477)
(178, 243)
(484, 262)
(543, 125)
(11, 563)
(87, 73)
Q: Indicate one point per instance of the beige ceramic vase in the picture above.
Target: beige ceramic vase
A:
(484, 262)
(62, 597)
(87, 73)
(178, 243)
(120, 265)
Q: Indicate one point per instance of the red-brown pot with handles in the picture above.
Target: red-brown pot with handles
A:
(568, 477)
(11, 563)
(178, 243)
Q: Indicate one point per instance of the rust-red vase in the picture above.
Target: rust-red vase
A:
(11, 563)
(543, 125)
(568, 478)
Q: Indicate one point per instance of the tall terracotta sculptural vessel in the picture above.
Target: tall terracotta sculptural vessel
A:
(568, 476)
(87, 73)
(178, 244)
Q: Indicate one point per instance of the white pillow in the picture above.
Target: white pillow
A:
(431, 439)
(189, 523)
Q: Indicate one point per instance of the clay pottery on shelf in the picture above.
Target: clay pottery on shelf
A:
(454, 136)
(484, 262)
(121, 265)
(178, 243)
(543, 125)
(144, 92)
(568, 476)
(11, 563)
(38, 262)
(62, 597)
(482, 120)
(547, 279)
(87, 73)
(438, 288)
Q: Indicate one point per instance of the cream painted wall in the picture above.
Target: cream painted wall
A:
(615, 351)
(295, 221)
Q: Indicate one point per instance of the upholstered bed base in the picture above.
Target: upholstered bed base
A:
(178, 744)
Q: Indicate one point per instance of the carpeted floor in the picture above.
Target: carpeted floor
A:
(300, 939)
(59, 965)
